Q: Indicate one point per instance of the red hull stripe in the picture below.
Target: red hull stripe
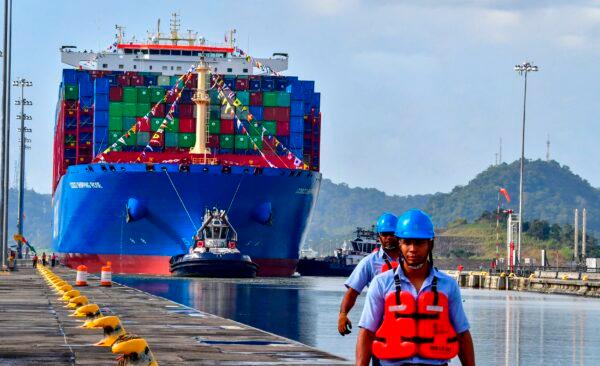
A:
(175, 47)
(159, 265)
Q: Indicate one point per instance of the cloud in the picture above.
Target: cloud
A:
(328, 7)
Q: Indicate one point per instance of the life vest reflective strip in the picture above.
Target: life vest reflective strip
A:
(415, 327)
(388, 265)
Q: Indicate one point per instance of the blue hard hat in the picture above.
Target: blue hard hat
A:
(414, 224)
(386, 223)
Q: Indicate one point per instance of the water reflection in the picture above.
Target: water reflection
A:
(508, 328)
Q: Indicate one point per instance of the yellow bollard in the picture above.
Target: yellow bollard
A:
(67, 296)
(77, 302)
(133, 348)
(585, 277)
(112, 329)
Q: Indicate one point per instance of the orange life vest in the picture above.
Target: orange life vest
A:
(388, 265)
(416, 327)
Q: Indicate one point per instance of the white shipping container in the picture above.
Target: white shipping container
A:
(592, 262)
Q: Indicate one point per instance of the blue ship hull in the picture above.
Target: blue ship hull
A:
(269, 208)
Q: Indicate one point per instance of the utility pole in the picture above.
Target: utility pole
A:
(522, 69)
(500, 152)
(583, 235)
(22, 83)
(5, 143)
(576, 237)
(548, 148)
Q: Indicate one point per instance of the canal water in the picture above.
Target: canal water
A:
(508, 328)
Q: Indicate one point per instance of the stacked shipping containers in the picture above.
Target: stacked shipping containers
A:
(100, 106)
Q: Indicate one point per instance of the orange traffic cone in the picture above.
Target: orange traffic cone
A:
(81, 278)
(106, 275)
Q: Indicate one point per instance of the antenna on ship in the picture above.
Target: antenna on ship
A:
(120, 33)
(175, 24)
(232, 33)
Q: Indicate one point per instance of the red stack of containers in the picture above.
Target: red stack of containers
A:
(186, 111)
(115, 94)
(213, 141)
(136, 80)
(227, 127)
(187, 125)
(123, 80)
(241, 84)
(143, 123)
(256, 99)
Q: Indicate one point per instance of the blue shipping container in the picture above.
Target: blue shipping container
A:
(69, 76)
(112, 79)
(101, 86)
(101, 102)
(85, 121)
(297, 108)
(230, 83)
(100, 118)
(83, 76)
(85, 103)
(308, 88)
(70, 153)
(86, 89)
(297, 140)
(100, 147)
(150, 80)
(254, 85)
(297, 125)
(267, 84)
(257, 112)
(295, 89)
(281, 84)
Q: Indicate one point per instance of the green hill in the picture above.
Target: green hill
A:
(551, 193)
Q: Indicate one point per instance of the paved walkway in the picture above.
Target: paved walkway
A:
(35, 329)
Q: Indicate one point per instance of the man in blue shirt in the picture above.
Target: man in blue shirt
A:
(369, 267)
(416, 275)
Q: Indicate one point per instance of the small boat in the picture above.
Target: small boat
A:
(214, 252)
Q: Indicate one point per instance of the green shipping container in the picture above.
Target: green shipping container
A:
(141, 109)
(171, 139)
(71, 92)
(244, 97)
(131, 140)
(226, 141)
(255, 128)
(130, 94)
(271, 127)
(115, 123)
(156, 93)
(173, 125)
(143, 94)
(113, 136)
(257, 140)
(214, 126)
(143, 138)
(129, 109)
(155, 123)
(128, 122)
(283, 99)
(174, 80)
(215, 112)
(115, 109)
(163, 80)
(186, 139)
(270, 99)
(241, 142)
(214, 97)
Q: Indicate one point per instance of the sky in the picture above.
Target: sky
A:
(415, 95)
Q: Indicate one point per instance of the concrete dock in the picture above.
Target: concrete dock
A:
(35, 329)
(548, 282)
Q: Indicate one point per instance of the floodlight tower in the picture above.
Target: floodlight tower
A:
(522, 69)
(22, 83)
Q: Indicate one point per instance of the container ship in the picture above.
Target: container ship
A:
(143, 146)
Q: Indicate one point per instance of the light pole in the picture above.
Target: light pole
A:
(5, 142)
(522, 69)
(22, 83)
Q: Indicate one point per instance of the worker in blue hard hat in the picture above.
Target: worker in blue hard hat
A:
(414, 314)
(381, 260)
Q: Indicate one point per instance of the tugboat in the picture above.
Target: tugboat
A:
(344, 260)
(214, 252)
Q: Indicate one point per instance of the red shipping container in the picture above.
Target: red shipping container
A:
(283, 128)
(227, 127)
(136, 80)
(256, 99)
(187, 125)
(144, 124)
(269, 114)
(123, 80)
(171, 96)
(192, 82)
(129, 73)
(160, 110)
(186, 110)
(282, 114)
(71, 105)
(241, 84)
(115, 94)
(213, 141)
